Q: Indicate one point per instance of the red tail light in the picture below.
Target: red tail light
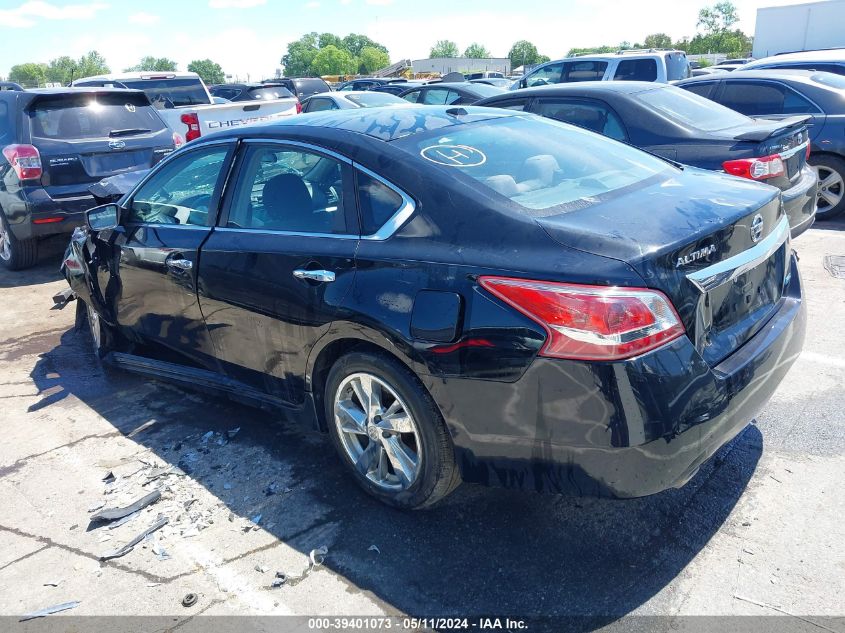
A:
(756, 168)
(178, 141)
(298, 107)
(193, 123)
(807, 156)
(25, 160)
(591, 322)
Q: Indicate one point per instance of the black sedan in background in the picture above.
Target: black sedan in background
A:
(398, 88)
(250, 92)
(455, 293)
(786, 93)
(453, 93)
(682, 127)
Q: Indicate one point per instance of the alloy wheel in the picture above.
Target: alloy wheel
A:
(5, 243)
(377, 431)
(831, 188)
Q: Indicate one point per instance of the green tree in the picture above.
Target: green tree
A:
(150, 63)
(332, 60)
(476, 51)
(372, 59)
(92, 63)
(593, 50)
(300, 54)
(658, 40)
(355, 44)
(29, 75)
(330, 39)
(210, 72)
(444, 48)
(524, 53)
(717, 35)
(62, 70)
(718, 18)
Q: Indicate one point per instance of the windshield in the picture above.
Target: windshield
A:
(86, 116)
(537, 163)
(689, 109)
(171, 93)
(269, 94)
(375, 99)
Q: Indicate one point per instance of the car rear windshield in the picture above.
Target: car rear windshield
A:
(171, 93)
(537, 163)
(375, 99)
(691, 110)
(268, 94)
(486, 90)
(85, 116)
(311, 86)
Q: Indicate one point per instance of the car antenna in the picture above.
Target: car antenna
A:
(457, 112)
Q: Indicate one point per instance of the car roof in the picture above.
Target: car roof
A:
(803, 76)
(826, 55)
(614, 87)
(385, 124)
(610, 56)
(169, 74)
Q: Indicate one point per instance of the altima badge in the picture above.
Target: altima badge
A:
(117, 144)
(701, 253)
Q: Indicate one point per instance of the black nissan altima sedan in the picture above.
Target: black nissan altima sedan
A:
(455, 294)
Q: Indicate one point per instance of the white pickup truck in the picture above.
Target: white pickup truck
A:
(186, 106)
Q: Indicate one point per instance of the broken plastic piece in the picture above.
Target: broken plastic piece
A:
(50, 610)
(123, 551)
(318, 555)
(204, 439)
(111, 514)
(109, 477)
(231, 433)
(279, 580)
(374, 548)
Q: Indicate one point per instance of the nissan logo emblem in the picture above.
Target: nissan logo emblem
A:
(757, 228)
(117, 144)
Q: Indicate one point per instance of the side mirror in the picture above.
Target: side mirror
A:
(104, 217)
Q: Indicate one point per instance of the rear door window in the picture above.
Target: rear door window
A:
(584, 71)
(636, 70)
(591, 115)
(171, 93)
(319, 104)
(440, 96)
(412, 97)
(701, 88)
(227, 93)
(513, 104)
(677, 66)
(757, 98)
(544, 76)
(93, 116)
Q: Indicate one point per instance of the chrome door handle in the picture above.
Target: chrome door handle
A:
(323, 276)
(181, 265)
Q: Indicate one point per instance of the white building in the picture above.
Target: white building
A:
(444, 65)
(799, 27)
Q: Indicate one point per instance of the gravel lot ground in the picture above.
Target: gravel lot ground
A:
(758, 531)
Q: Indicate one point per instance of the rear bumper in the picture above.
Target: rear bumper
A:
(35, 214)
(624, 429)
(799, 202)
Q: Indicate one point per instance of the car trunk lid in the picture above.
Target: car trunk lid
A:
(717, 246)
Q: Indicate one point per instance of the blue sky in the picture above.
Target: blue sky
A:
(250, 36)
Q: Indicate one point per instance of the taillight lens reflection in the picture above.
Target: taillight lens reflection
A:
(591, 322)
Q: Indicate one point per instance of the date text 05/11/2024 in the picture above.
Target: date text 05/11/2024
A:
(417, 623)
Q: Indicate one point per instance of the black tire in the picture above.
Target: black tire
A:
(827, 165)
(101, 335)
(16, 254)
(438, 475)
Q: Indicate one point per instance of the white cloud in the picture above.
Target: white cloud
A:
(29, 13)
(144, 18)
(235, 4)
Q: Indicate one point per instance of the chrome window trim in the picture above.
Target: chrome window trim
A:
(233, 229)
(729, 269)
(300, 144)
(398, 219)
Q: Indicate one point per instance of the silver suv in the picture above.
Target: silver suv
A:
(632, 65)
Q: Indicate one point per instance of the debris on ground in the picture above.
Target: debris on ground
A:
(190, 600)
(204, 439)
(262, 569)
(109, 477)
(123, 551)
(318, 555)
(280, 579)
(50, 610)
(231, 433)
(52, 583)
(111, 514)
(374, 548)
(160, 552)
